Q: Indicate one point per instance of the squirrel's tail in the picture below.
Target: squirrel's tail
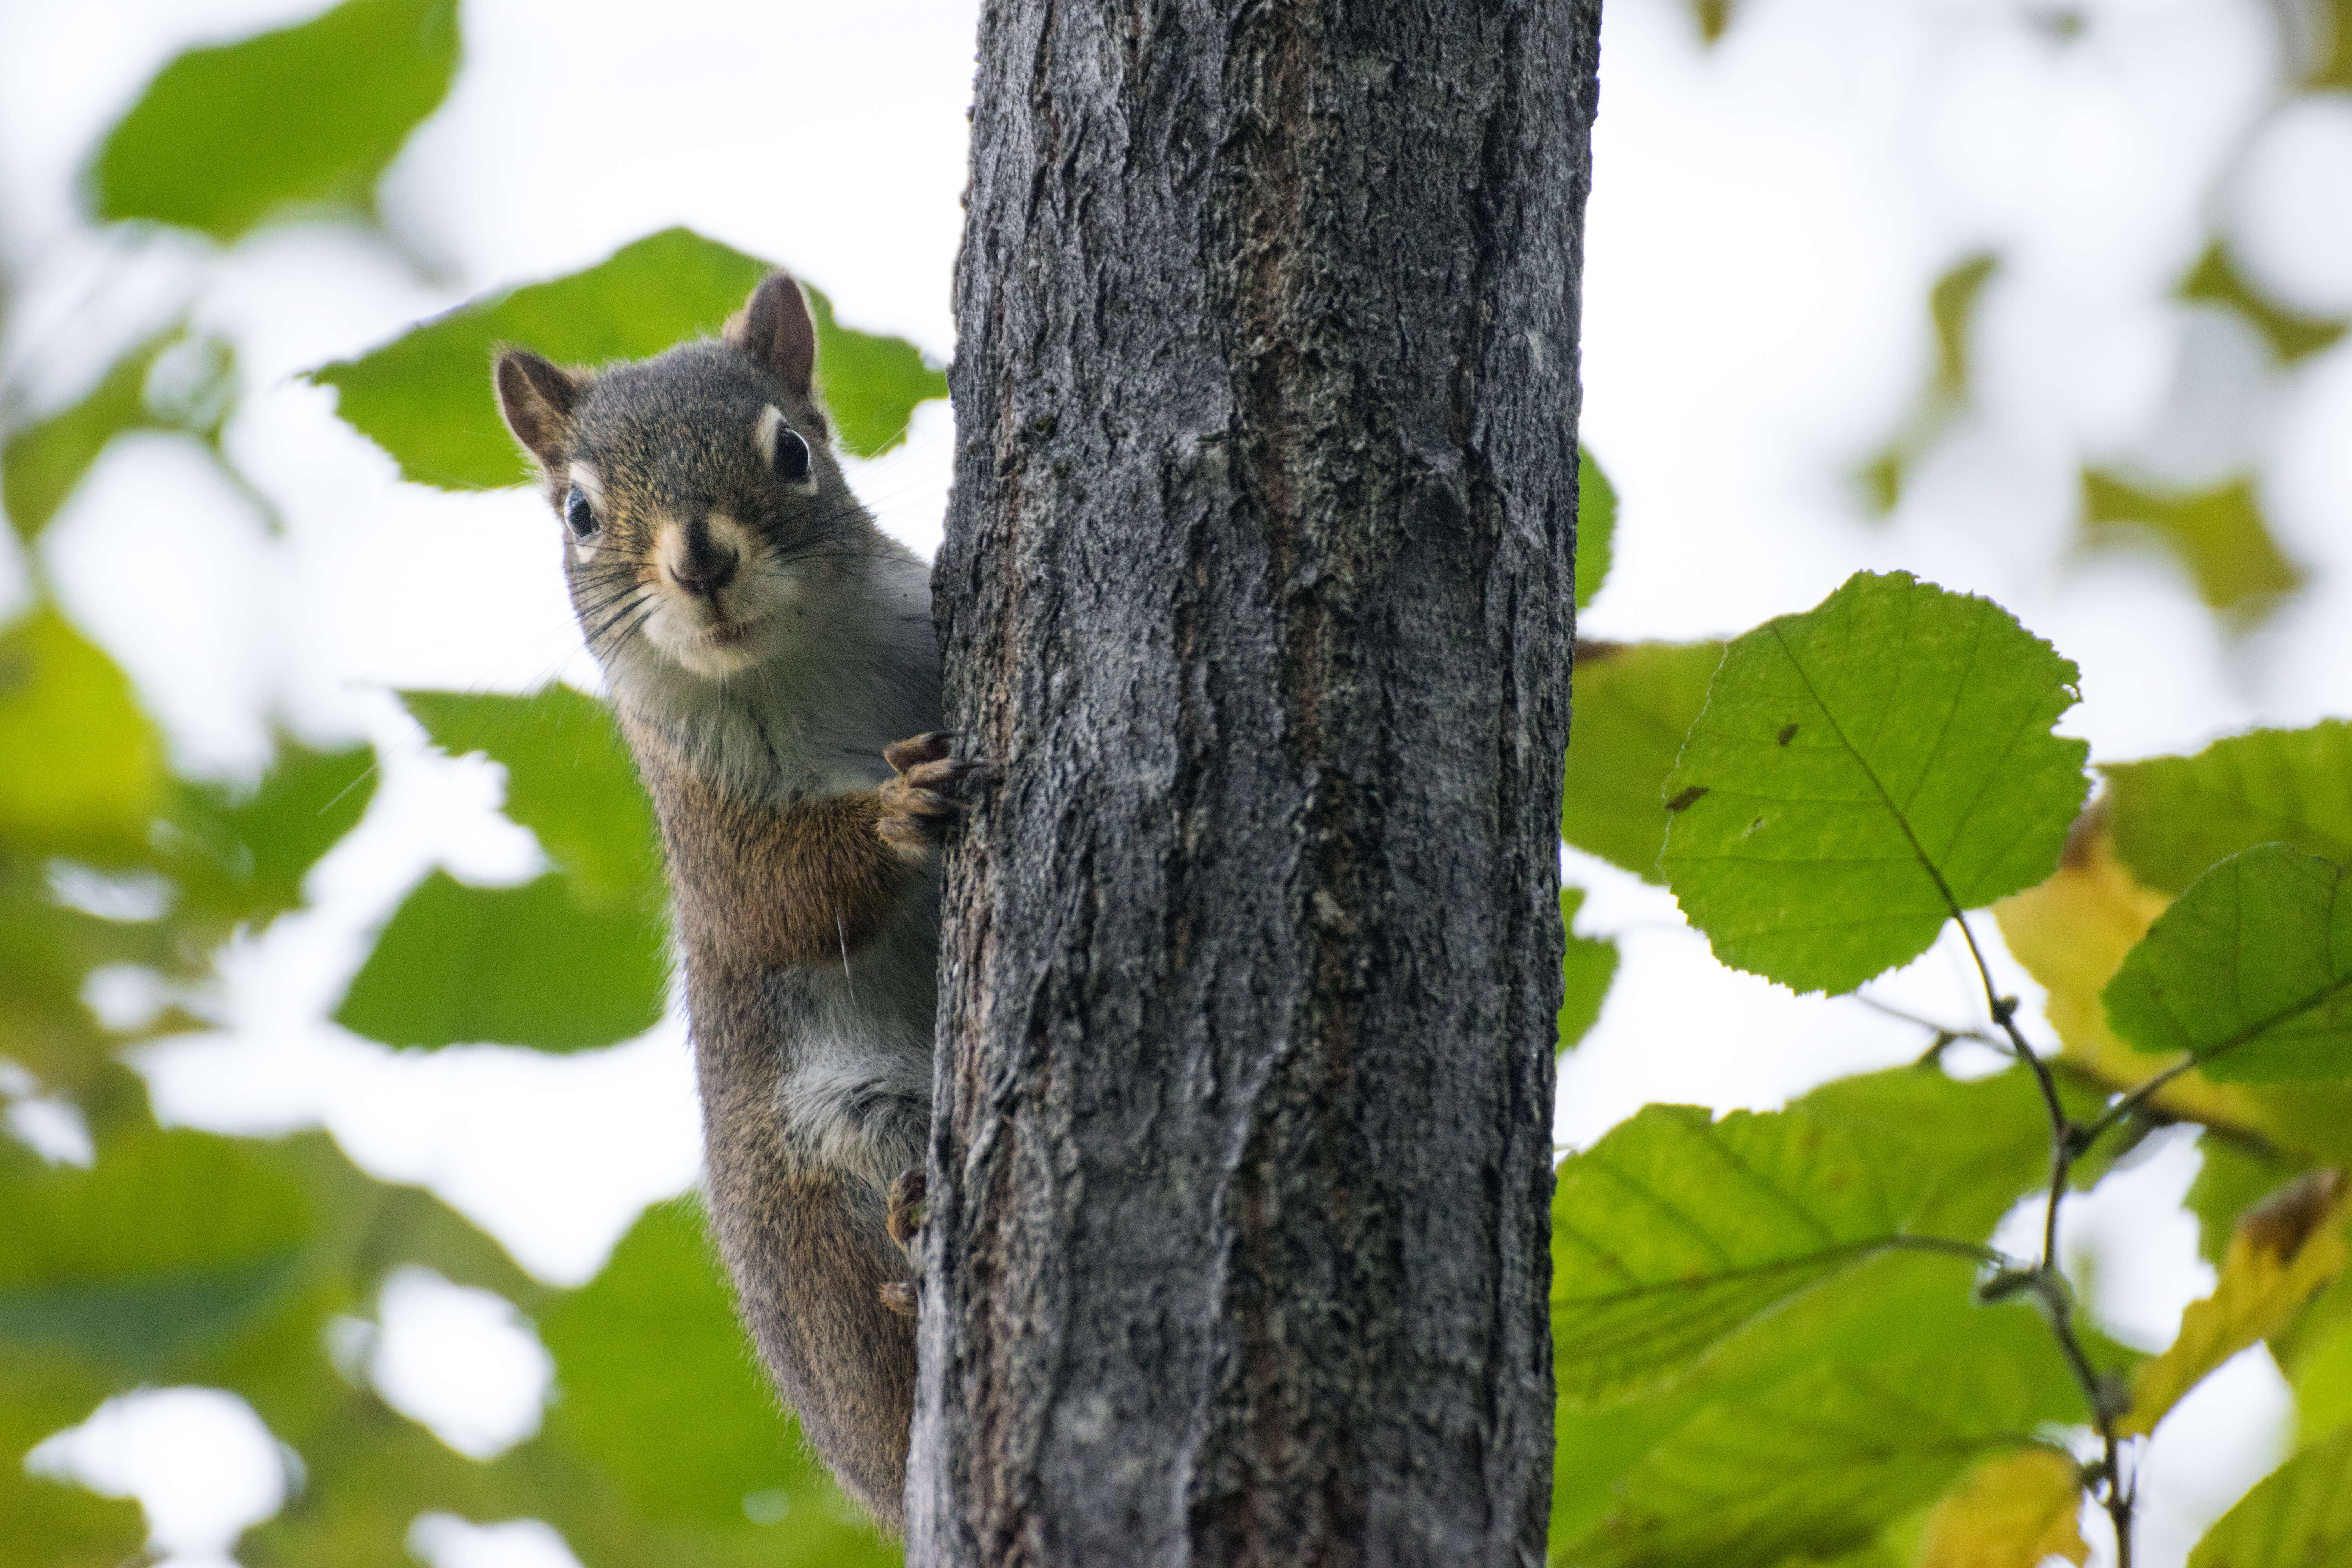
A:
(810, 1283)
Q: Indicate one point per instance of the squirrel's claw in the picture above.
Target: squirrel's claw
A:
(916, 812)
(904, 1297)
(906, 1216)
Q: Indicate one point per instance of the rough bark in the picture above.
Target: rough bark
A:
(1258, 579)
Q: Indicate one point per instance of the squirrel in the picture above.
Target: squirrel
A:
(763, 643)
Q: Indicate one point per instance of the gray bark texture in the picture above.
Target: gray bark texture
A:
(1258, 580)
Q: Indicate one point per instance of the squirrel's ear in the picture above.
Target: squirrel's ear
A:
(775, 329)
(537, 397)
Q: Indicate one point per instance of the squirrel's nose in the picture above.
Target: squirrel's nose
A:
(704, 567)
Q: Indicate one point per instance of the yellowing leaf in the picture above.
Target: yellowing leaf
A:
(2285, 1252)
(2071, 933)
(2010, 1512)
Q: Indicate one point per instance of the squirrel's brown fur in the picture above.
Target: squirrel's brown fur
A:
(766, 645)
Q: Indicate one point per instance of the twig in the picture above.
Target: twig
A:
(2069, 1140)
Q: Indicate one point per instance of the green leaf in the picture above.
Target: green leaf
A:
(2299, 1517)
(1635, 703)
(241, 856)
(1596, 526)
(2218, 534)
(520, 966)
(2174, 816)
(1587, 967)
(2231, 1179)
(692, 1438)
(101, 776)
(172, 1242)
(2250, 971)
(304, 119)
(870, 382)
(1817, 1466)
(426, 398)
(1676, 1229)
(44, 462)
(1863, 773)
(570, 780)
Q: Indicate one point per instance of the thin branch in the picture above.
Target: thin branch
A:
(2068, 1141)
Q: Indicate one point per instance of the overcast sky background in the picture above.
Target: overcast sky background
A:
(1765, 219)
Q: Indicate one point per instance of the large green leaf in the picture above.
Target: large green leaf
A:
(425, 397)
(172, 1242)
(569, 780)
(1863, 771)
(2299, 1517)
(1587, 966)
(1816, 1467)
(2250, 971)
(2174, 816)
(305, 118)
(524, 966)
(84, 770)
(1596, 527)
(1635, 703)
(691, 1437)
(870, 382)
(1676, 1229)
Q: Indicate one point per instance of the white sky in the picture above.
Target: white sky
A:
(1765, 221)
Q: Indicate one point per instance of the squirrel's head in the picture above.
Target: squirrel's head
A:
(698, 501)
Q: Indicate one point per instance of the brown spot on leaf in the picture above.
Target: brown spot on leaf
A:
(1688, 799)
(1787, 733)
(2283, 1222)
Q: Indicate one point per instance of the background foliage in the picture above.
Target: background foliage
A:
(1808, 1334)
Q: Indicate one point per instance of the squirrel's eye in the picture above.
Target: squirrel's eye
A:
(792, 456)
(577, 515)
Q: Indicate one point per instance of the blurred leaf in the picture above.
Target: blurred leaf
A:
(1587, 967)
(100, 772)
(1596, 526)
(1817, 1466)
(54, 1524)
(1863, 771)
(173, 1241)
(2283, 1253)
(44, 462)
(2300, 1516)
(569, 780)
(1952, 310)
(242, 856)
(2010, 1512)
(1635, 703)
(2250, 971)
(2322, 1380)
(426, 397)
(870, 382)
(2216, 277)
(2174, 816)
(1714, 16)
(305, 118)
(691, 1437)
(520, 966)
(1675, 1229)
(2218, 534)
(2231, 1179)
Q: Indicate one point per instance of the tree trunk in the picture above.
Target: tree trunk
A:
(1258, 580)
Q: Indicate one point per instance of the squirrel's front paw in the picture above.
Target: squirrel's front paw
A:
(906, 1212)
(917, 812)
